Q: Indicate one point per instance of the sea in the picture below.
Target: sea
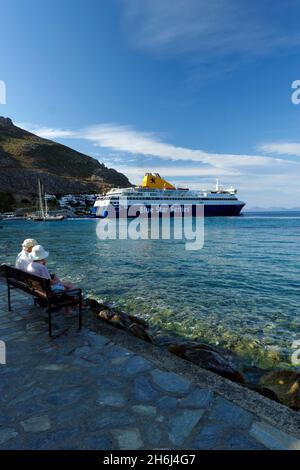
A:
(240, 292)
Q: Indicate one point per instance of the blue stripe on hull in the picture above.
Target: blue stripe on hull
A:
(209, 211)
(221, 211)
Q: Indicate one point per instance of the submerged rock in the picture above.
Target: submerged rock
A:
(95, 306)
(106, 313)
(112, 318)
(178, 349)
(135, 319)
(181, 349)
(208, 358)
(134, 325)
(285, 385)
(140, 332)
(263, 391)
(253, 374)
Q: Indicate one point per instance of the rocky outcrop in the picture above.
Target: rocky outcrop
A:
(208, 358)
(25, 157)
(284, 385)
(134, 325)
(5, 122)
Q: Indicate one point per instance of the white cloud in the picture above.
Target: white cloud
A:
(136, 173)
(133, 152)
(206, 29)
(47, 132)
(126, 139)
(2, 92)
(281, 148)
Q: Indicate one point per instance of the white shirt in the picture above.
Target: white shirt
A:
(38, 269)
(23, 260)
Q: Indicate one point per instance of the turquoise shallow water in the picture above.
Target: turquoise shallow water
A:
(241, 291)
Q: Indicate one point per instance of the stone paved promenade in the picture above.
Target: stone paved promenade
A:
(83, 391)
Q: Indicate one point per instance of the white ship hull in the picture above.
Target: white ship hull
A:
(167, 200)
(211, 209)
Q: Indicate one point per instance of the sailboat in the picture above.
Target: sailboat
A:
(42, 214)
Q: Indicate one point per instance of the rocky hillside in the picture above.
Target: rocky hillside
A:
(25, 157)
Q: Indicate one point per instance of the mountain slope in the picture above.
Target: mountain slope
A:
(25, 157)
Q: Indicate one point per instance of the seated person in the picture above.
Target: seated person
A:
(38, 267)
(23, 258)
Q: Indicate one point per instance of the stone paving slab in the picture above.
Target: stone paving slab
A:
(80, 390)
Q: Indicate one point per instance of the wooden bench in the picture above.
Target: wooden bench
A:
(40, 289)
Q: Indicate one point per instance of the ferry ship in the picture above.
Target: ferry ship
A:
(158, 196)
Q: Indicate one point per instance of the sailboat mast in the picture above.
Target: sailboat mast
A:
(41, 200)
(46, 205)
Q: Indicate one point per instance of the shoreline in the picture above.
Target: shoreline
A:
(245, 212)
(203, 355)
(275, 413)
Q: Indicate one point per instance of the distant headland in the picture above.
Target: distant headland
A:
(26, 157)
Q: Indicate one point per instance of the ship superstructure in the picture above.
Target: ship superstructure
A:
(156, 195)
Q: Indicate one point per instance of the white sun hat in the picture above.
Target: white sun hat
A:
(38, 253)
(29, 243)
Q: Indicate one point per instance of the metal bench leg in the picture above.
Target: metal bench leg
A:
(8, 297)
(49, 321)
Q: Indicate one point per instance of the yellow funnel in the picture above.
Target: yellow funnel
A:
(154, 181)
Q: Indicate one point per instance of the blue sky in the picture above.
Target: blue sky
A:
(195, 90)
